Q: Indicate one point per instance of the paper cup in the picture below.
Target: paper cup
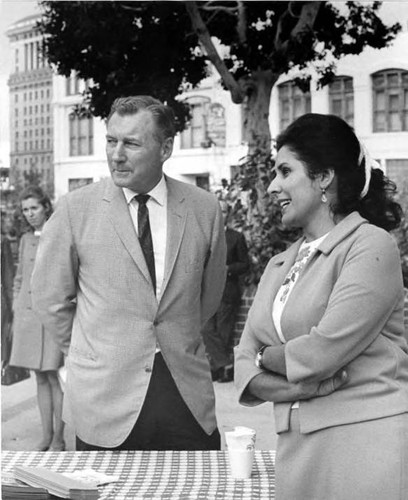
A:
(241, 463)
(241, 448)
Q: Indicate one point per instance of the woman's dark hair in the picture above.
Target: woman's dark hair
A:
(327, 141)
(37, 193)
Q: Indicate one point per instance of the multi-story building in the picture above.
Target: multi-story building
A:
(31, 114)
(370, 92)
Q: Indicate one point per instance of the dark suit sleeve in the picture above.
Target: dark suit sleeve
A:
(215, 270)
(54, 280)
(240, 259)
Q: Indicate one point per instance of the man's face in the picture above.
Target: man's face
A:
(135, 154)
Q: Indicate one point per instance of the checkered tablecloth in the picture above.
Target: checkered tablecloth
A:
(168, 475)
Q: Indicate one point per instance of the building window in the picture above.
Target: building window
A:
(293, 103)
(17, 64)
(390, 100)
(195, 135)
(80, 135)
(341, 98)
(72, 85)
(203, 182)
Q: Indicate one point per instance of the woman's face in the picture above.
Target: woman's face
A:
(298, 195)
(34, 212)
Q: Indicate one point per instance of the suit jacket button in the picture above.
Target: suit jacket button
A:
(148, 369)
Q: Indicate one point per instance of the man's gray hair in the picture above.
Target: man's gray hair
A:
(163, 115)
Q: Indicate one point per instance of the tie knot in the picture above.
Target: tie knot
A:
(142, 198)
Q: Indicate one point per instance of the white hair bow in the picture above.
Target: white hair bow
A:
(369, 165)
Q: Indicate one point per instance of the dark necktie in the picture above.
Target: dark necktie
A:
(145, 235)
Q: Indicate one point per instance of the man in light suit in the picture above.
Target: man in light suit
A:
(126, 291)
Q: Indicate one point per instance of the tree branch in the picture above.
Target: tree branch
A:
(242, 23)
(228, 10)
(305, 23)
(307, 18)
(204, 37)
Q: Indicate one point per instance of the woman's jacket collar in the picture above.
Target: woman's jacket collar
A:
(340, 231)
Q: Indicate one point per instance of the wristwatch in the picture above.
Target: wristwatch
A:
(259, 357)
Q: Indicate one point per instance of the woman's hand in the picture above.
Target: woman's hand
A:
(308, 390)
(270, 386)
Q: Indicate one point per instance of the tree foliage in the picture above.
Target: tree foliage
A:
(263, 230)
(124, 48)
(163, 48)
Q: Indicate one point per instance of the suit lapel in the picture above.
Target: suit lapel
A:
(176, 221)
(118, 212)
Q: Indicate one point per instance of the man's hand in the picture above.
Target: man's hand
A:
(308, 390)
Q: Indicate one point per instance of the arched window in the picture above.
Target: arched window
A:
(390, 100)
(341, 98)
(194, 136)
(293, 103)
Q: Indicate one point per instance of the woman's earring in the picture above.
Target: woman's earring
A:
(324, 197)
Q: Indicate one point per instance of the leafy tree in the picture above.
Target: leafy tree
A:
(262, 229)
(163, 48)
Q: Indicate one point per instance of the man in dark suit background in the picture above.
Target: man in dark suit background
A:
(219, 330)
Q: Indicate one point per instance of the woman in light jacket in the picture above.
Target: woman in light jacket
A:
(324, 339)
(33, 347)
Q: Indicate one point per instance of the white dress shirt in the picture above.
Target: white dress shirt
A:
(157, 206)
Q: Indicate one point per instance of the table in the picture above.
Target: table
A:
(168, 475)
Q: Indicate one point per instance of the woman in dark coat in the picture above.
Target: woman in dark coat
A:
(7, 277)
(33, 347)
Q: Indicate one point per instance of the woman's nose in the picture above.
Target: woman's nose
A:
(274, 186)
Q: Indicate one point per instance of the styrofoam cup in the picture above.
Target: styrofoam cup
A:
(241, 448)
(241, 463)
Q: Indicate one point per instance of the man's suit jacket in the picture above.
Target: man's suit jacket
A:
(345, 311)
(92, 288)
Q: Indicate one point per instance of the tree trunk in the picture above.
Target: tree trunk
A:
(256, 109)
(258, 90)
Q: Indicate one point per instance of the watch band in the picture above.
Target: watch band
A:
(259, 358)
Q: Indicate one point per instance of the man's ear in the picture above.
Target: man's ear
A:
(167, 148)
(326, 178)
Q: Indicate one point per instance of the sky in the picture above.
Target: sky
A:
(13, 10)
